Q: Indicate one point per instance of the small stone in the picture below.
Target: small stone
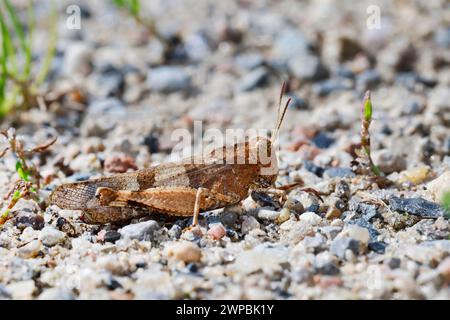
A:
(119, 163)
(442, 37)
(284, 216)
(439, 186)
(294, 205)
(22, 290)
(389, 162)
(249, 223)
(311, 167)
(414, 175)
(378, 247)
(264, 200)
(338, 172)
(357, 233)
(307, 67)
(417, 206)
(26, 219)
(217, 231)
(56, 294)
(333, 213)
(311, 218)
(228, 218)
(342, 190)
(184, 251)
(175, 231)
(369, 79)
(140, 231)
(255, 79)
(315, 243)
(330, 231)
(261, 258)
(322, 141)
(362, 222)
(328, 86)
(168, 79)
(394, 263)
(112, 236)
(325, 263)
(30, 250)
(250, 60)
(50, 236)
(77, 59)
(266, 214)
(444, 269)
(340, 245)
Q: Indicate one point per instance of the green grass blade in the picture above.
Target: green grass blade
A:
(24, 44)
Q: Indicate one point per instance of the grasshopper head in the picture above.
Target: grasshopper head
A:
(263, 151)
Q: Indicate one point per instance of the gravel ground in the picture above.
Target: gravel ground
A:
(121, 93)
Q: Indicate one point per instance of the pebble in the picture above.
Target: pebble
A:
(56, 294)
(338, 172)
(30, 250)
(333, 213)
(389, 162)
(340, 245)
(294, 205)
(357, 233)
(111, 236)
(249, 223)
(266, 214)
(362, 222)
(77, 59)
(184, 251)
(217, 231)
(311, 218)
(442, 37)
(119, 163)
(51, 237)
(417, 206)
(255, 79)
(439, 186)
(322, 141)
(369, 79)
(330, 231)
(22, 290)
(329, 86)
(444, 269)
(311, 167)
(307, 67)
(378, 247)
(284, 216)
(414, 176)
(249, 60)
(140, 231)
(168, 79)
(175, 231)
(261, 258)
(24, 219)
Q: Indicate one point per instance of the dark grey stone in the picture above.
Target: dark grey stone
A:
(322, 141)
(112, 236)
(339, 172)
(311, 167)
(378, 247)
(417, 206)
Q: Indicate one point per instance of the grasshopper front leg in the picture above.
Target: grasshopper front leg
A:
(179, 201)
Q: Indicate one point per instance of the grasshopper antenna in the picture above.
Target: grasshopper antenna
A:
(281, 112)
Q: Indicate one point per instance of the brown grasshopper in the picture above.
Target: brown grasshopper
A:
(183, 188)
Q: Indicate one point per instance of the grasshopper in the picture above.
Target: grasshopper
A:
(183, 188)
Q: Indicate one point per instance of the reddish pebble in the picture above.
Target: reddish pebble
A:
(101, 235)
(119, 164)
(308, 152)
(217, 231)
